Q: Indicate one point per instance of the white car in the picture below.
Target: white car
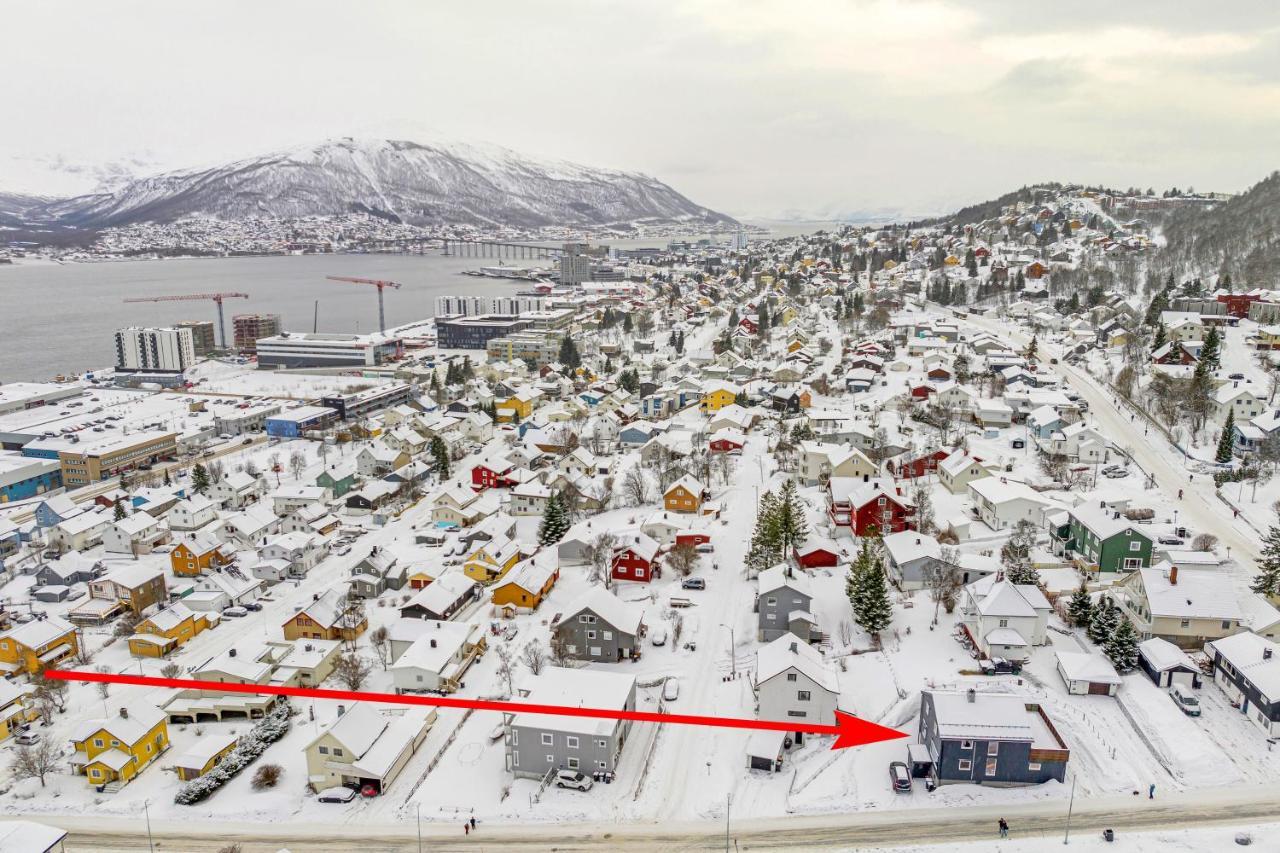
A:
(659, 637)
(235, 612)
(573, 779)
(337, 795)
(671, 689)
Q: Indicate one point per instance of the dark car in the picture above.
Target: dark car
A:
(693, 583)
(999, 666)
(900, 777)
(1170, 540)
(1236, 376)
(252, 605)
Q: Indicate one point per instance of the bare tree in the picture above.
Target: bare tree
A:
(682, 559)
(82, 656)
(534, 657)
(274, 461)
(171, 670)
(943, 579)
(381, 640)
(922, 498)
(635, 487)
(677, 628)
(251, 468)
(35, 761)
(506, 667)
(1204, 542)
(599, 556)
(104, 689)
(846, 633)
(50, 696)
(297, 464)
(560, 655)
(352, 669)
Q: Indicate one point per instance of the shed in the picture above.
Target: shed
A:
(765, 750)
(1166, 664)
(1088, 673)
(919, 761)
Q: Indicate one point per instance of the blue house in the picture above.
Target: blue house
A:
(23, 477)
(55, 510)
(997, 739)
(294, 423)
(591, 398)
(1043, 422)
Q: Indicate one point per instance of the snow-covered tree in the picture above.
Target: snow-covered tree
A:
(1080, 608)
(1103, 622)
(1268, 580)
(555, 521)
(1122, 646)
(1226, 441)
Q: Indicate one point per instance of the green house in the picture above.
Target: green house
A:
(1102, 540)
(340, 479)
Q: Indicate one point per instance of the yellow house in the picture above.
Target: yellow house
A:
(718, 397)
(521, 405)
(1267, 337)
(787, 314)
(524, 588)
(205, 755)
(170, 629)
(38, 644)
(17, 707)
(196, 556)
(116, 750)
(952, 261)
(684, 495)
(492, 560)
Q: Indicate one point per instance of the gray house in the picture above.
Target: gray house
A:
(995, 739)
(69, 569)
(377, 573)
(599, 627)
(909, 556)
(539, 743)
(782, 605)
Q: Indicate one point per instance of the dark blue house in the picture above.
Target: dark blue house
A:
(998, 739)
(1247, 668)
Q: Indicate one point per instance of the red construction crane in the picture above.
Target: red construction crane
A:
(192, 297)
(382, 317)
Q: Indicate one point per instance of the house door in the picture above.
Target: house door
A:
(1096, 689)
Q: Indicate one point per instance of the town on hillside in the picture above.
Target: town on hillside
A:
(999, 482)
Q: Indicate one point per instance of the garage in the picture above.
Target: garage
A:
(1088, 674)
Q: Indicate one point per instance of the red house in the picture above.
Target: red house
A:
(921, 391)
(815, 553)
(693, 538)
(939, 374)
(922, 465)
(636, 558)
(1238, 303)
(866, 505)
(726, 441)
(1035, 269)
(749, 324)
(491, 474)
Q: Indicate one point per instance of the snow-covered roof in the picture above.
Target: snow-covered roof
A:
(582, 688)
(1164, 655)
(989, 716)
(1105, 524)
(1254, 657)
(776, 578)
(1087, 666)
(607, 606)
(1005, 599)
(130, 729)
(1004, 637)
(38, 632)
(1196, 595)
(433, 649)
(911, 545)
(789, 651)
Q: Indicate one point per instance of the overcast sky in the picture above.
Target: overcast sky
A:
(753, 108)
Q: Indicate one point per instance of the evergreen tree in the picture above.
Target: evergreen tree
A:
(961, 368)
(1160, 339)
(872, 607)
(1030, 352)
(1103, 622)
(1080, 609)
(1209, 352)
(680, 344)
(555, 521)
(741, 399)
(1015, 555)
(569, 356)
(1122, 646)
(762, 317)
(440, 455)
(1226, 442)
(168, 481)
(626, 323)
(791, 525)
(200, 478)
(119, 509)
(1268, 580)
(733, 317)
(765, 550)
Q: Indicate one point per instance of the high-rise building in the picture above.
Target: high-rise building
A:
(202, 336)
(471, 306)
(249, 328)
(575, 264)
(154, 350)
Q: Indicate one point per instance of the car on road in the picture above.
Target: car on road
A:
(573, 779)
(235, 612)
(247, 441)
(337, 795)
(1053, 361)
(659, 637)
(693, 583)
(1115, 473)
(1235, 376)
(899, 777)
(226, 436)
(671, 689)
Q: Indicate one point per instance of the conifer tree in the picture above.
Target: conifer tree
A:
(119, 510)
(872, 607)
(555, 521)
(1080, 609)
(1122, 646)
(1268, 580)
(792, 529)
(1103, 622)
(1160, 339)
(1030, 352)
(765, 550)
(1015, 555)
(200, 478)
(1226, 441)
(440, 455)
(1209, 351)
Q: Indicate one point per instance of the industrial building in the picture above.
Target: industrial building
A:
(356, 405)
(250, 328)
(91, 461)
(19, 396)
(295, 423)
(140, 350)
(202, 335)
(23, 477)
(322, 349)
(461, 332)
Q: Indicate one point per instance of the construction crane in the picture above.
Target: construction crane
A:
(192, 297)
(382, 316)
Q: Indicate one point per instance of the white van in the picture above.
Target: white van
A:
(1185, 699)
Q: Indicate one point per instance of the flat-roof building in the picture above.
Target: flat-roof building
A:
(357, 404)
(91, 461)
(294, 423)
(202, 335)
(250, 328)
(24, 477)
(460, 332)
(322, 349)
(17, 396)
(154, 350)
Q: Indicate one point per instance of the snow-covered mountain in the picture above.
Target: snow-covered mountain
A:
(407, 181)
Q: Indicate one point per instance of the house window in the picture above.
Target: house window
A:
(603, 744)
(1033, 766)
(606, 635)
(1185, 623)
(591, 635)
(797, 713)
(1135, 546)
(587, 619)
(548, 739)
(639, 573)
(337, 753)
(771, 601)
(551, 759)
(771, 617)
(571, 742)
(964, 764)
(97, 742)
(791, 676)
(600, 764)
(966, 744)
(573, 763)
(991, 767)
(802, 695)
(993, 748)
(1226, 624)
(1004, 623)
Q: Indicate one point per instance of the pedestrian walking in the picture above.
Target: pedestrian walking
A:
(1179, 494)
(473, 822)
(466, 828)
(1151, 792)
(1004, 828)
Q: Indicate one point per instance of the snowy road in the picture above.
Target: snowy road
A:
(1199, 509)
(1236, 805)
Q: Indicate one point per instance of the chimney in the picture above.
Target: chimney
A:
(124, 713)
(231, 653)
(972, 695)
(433, 642)
(1173, 576)
(1266, 654)
(342, 709)
(794, 650)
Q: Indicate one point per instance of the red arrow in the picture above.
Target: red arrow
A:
(849, 730)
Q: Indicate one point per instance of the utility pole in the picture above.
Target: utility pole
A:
(1070, 806)
(418, 807)
(150, 841)
(728, 800)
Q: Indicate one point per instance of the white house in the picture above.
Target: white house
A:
(193, 513)
(1003, 619)
(238, 490)
(439, 656)
(1002, 503)
(529, 498)
(794, 683)
(135, 534)
(960, 469)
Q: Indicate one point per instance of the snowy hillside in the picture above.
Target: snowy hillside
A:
(406, 181)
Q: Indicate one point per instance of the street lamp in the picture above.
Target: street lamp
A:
(733, 655)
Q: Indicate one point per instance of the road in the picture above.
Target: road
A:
(1240, 805)
(1199, 508)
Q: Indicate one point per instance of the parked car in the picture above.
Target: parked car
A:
(693, 583)
(235, 612)
(705, 548)
(337, 795)
(659, 637)
(27, 738)
(1235, 376)
(671, 689)
(573, 779)
(1185, 700)
(999, 666)
(252, 605)
(899, 777)
(1170, 540)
